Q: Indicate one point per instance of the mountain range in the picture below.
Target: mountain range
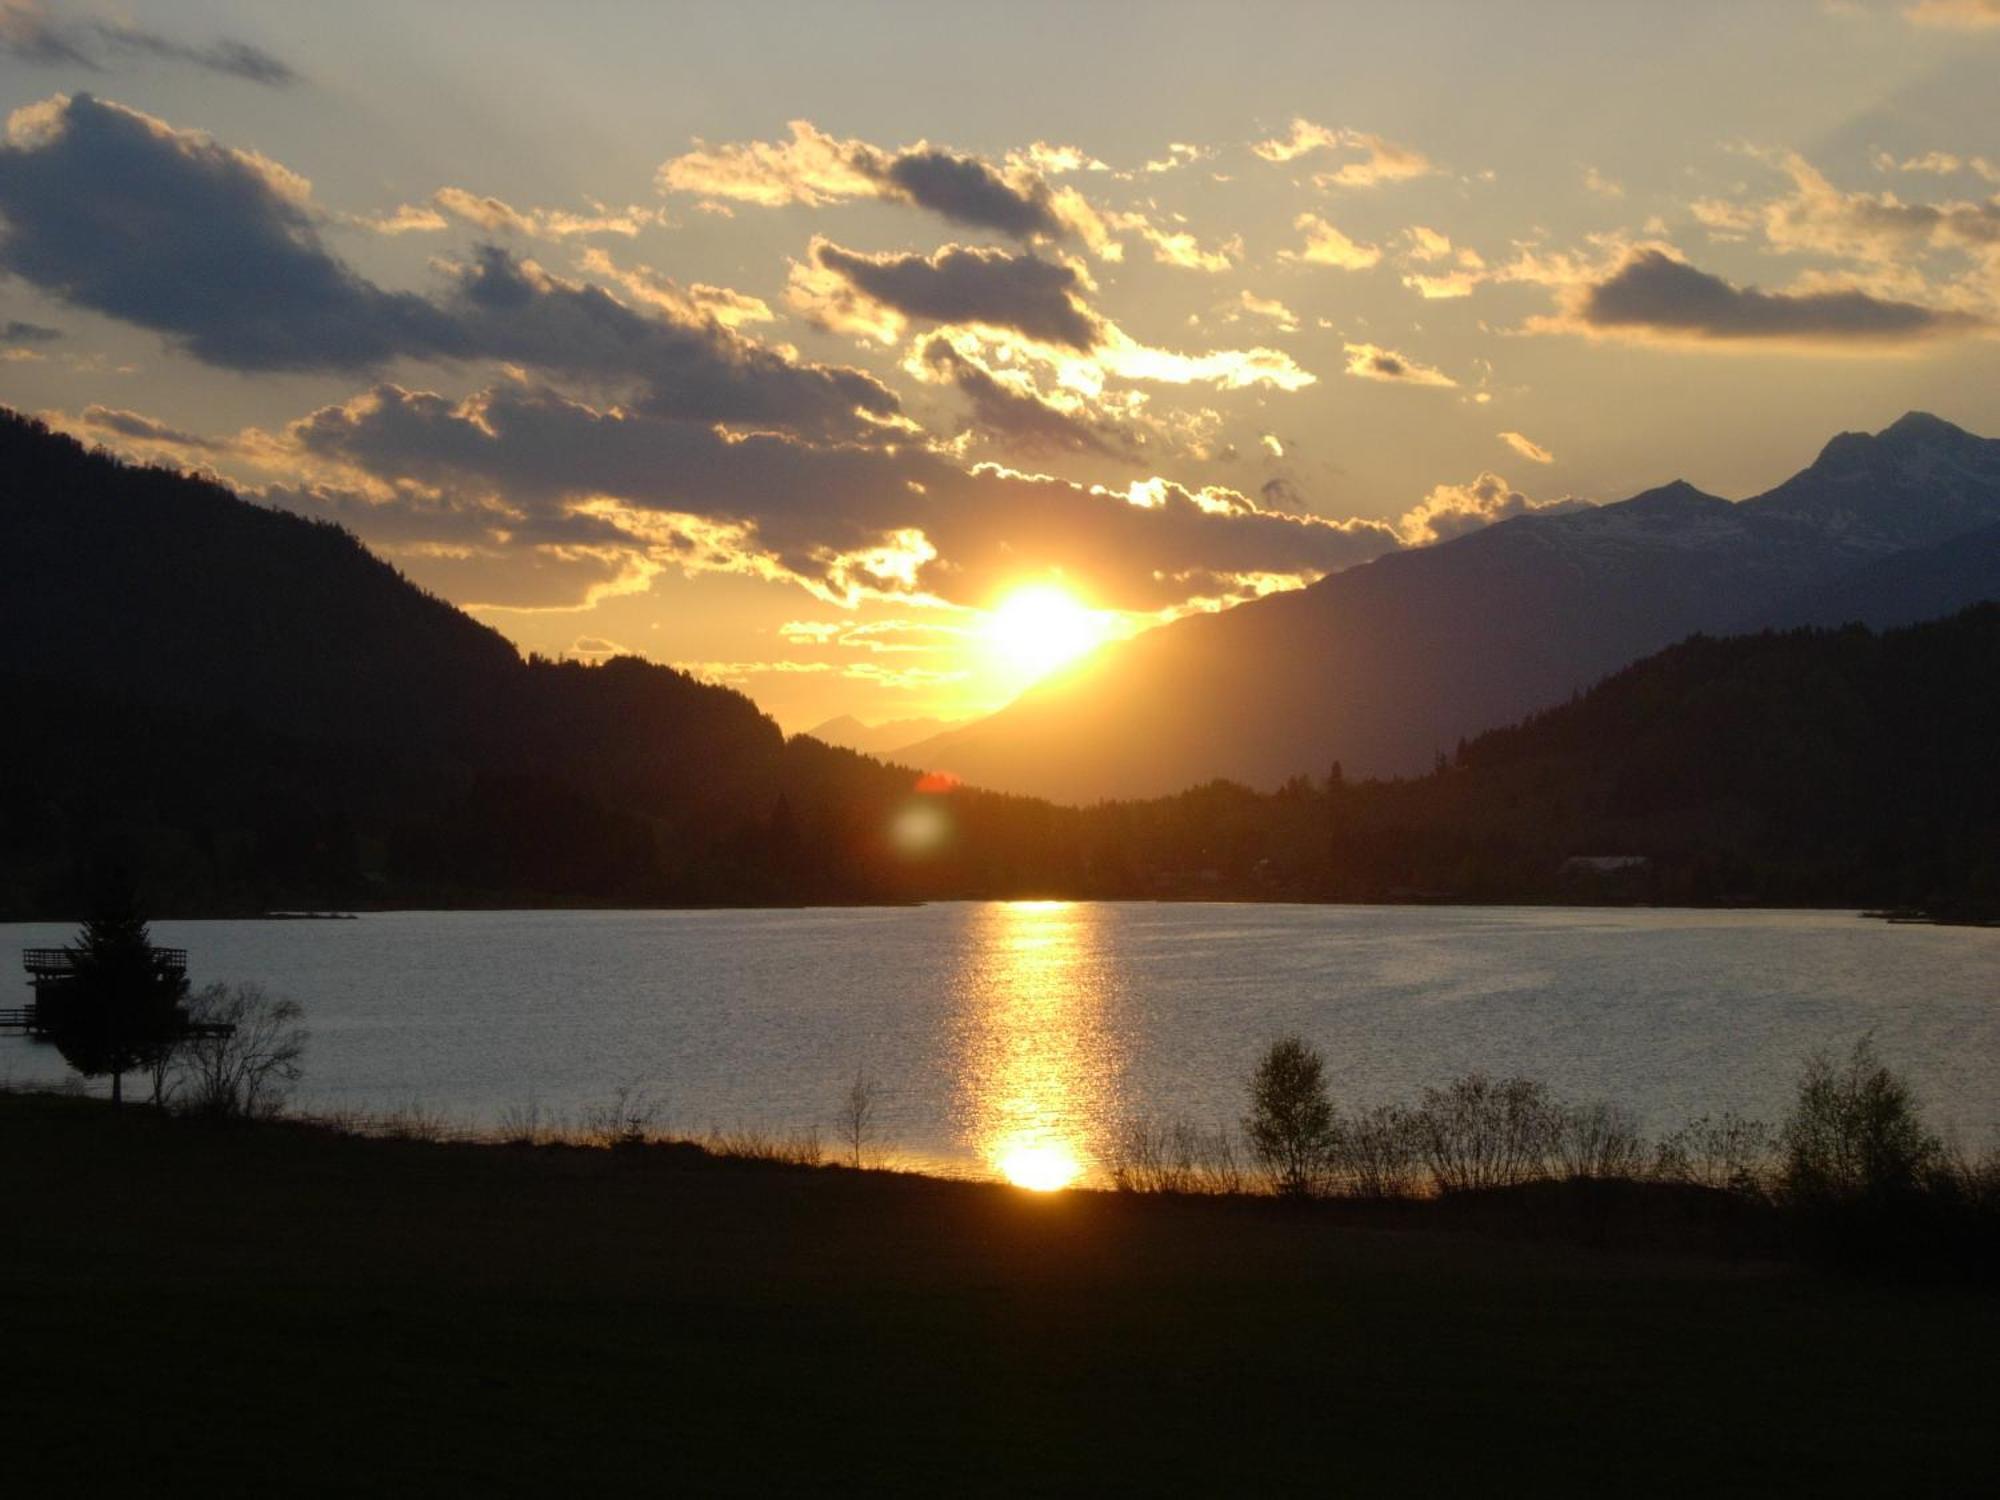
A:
(1388, 665)
(247, 710)
(849, 733)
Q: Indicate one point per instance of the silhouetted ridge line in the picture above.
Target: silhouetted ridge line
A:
(1381, 665)
(405, 755)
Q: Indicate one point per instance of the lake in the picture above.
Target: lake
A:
(1011, 1031)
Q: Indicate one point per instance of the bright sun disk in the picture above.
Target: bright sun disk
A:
(1040, 627)
(1041, 1168)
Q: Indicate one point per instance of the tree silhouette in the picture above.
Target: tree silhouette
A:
(1291, 1125)
(122, 1005)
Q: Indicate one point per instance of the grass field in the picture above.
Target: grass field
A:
(288, 1310)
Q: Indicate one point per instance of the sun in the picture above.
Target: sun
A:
(1041, 1168)
(1041, 626)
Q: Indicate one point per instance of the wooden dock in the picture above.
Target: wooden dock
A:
(51, 968)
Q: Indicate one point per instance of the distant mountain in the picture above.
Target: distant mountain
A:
(1924, 583)
(1806, 766)
(256, 709)
(1386, 666)
(849, 733)
(247, 710)
(154, 584)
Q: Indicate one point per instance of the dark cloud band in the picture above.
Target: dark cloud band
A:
(1652, 292)
(29, 34)
(219, 250)
(961, 285)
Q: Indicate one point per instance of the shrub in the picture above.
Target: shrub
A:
(1855, 1133)
(798, 1148)
(523, 1124)
(857, 1114)
(625, 1119)
(1177, 1156)
(1476, 1133)
(1291, 1124)
(247, 1073)
(1729, 1153)
(1599, 1140)
(415, 1121)
(1376, 1154)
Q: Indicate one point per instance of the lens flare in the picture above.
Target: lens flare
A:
(921, 826)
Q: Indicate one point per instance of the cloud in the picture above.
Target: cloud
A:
(1286, 320)
(18, 332)
(811, 168)
(216, 248)
(1426, 244)
(1431, 247)
(1179, 247)
(1452, 510)
(219, 250)
(814, 168)
(1654, 296)
(1373, 362)
(690, 304)
(963, 286)
(1817, 218)
(497, 216)
(404, 218)
(1605, 187)
(1018, 416)
(1383, 160)
(1327, 246)
(1528, 448)
(887, 637)
(844, 521)
(486, 554)
(1035, 302)
(965, 190)
(1057, 160)
(1016, 200)
(30, 34)
(1938, 164)
(1305, 137)
(1954, 15)
(1179, 154)
(509, 309)
(144, 429)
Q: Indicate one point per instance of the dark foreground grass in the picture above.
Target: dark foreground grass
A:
(286, 1310)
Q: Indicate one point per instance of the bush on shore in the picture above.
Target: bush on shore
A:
(1853, 1173)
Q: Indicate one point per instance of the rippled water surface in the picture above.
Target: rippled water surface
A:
(1012, 1036)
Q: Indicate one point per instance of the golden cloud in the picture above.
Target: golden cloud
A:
(1373, 362)
(1327, 246)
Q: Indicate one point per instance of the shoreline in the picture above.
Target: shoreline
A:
(1892, 916)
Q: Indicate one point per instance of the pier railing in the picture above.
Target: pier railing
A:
(52, 961)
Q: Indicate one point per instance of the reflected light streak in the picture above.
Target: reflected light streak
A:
(1039, 1063)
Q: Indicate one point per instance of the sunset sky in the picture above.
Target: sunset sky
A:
(786, 344)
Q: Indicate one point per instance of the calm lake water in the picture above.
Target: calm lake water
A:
(1028, 1029)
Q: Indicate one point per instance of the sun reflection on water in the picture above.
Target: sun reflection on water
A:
(1038, 1061)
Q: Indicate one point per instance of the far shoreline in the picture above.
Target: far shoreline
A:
(1891, 916)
